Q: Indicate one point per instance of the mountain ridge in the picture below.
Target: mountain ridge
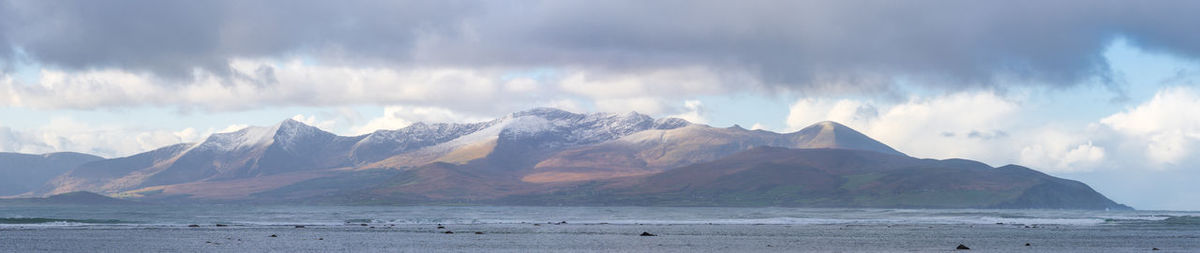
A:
(535, 155)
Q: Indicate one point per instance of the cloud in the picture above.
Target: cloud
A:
(266, 83)
(980, 126)
(758, 126)
(1166, 128)
(946, 126)
(838, 46)
(1058, 150)
(694, 112)
(1159, 134)
(287, 83)
(66, 134)
(674, 81)
(808, 111)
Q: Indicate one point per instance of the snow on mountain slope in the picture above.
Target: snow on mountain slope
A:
(534, 132)
(385, 143)
(542, 145)
(246, 138)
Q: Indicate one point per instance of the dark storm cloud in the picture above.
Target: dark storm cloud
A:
(171, 38)
(797, 44)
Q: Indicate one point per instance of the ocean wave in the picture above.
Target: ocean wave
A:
(1182, 220)
(940, 220)
(53, 221)
(1172, 220)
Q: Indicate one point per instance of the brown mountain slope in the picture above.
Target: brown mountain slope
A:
(553, 157)
(835, 178)
(654, 151)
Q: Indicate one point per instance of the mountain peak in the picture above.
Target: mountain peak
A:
(829, 134)
(291, 127)
(253, 136)
(290, 122)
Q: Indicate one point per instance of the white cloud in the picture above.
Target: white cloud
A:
(1058, 150)
(810, 111)
(294, 82)
(974, 125)
(1166, 128)
(683, 81)
(948, 126)
(521, 85)
(694, 112)
(1158, 134)
(65, 134)
(268, 82)
(758, 126)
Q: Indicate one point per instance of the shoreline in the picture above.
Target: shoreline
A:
(604, 238)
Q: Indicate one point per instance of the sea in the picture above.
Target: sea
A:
(252, 228)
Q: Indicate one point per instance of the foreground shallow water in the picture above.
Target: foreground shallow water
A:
(599, 229)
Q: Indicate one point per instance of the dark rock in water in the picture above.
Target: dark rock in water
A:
(222, 225)
(479, 233)
(300, 226)
(537, 225)
(441, 227)
(449, 232)
(1154, 249)
(193, 226)
(364, 224)
(371, 227)
(962, 247)
(273, 236)
(648, 234)
(321, 239)
(1027, 244)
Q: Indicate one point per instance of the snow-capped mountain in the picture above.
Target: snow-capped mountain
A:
(289, 146)
(542, 156)
(517, 139)
(543, 140)
(382, 144)
(289, 134)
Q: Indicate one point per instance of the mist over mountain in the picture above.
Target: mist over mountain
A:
(23, 173)
(553, 157)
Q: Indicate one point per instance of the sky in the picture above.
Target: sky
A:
(1104, 92)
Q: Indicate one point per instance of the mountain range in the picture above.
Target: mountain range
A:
(548, 157)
